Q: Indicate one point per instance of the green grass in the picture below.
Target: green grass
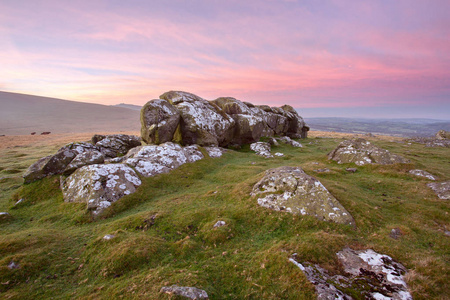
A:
(164, 232)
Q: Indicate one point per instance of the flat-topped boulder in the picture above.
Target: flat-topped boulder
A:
(362, 152)
(290, 189)
(189, 119)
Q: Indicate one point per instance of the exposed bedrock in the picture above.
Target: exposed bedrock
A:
(188, 119)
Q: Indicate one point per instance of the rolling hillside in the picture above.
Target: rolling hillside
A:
(22, 114)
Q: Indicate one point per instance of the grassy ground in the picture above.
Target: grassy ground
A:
(164, 232)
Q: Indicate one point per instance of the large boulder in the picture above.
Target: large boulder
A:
(115, 144)
(57, 163)
(90, 157)
(202, 122)
(99, 185)
(361, 152)
(368, 275)
(157, 159)
(189, 119)
(290, 189)
(159, 121)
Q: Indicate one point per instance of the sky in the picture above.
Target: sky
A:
(324, 57)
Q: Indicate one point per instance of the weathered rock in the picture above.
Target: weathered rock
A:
(351, 170)
(291, 189)
(99, 185)
(422, 173)
(202, 122)
(109, 237)
(215, 151)
(289, 141)
(57, 163)
(4, 216)
(188, 292)
(159, 121)
(368, 274)
(157, 159)
(442, 189)
(116, 144)
(273, 142)
(443, 135)
(261, 149)
(13, 265)
(324, 170)
(279, 154)
(219, 224)
(188, 119)
(395, 233)
(89, 157)
(361, 152)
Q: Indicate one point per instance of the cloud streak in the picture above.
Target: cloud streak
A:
(298, 52)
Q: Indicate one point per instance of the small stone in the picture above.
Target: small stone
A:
(109, 237)
(220, 224)
(12, 265)
(351, 170)
(422, 173)
(442, 189)
(18, 202)
(188, 292)
(325, 170)
(279, 154)
(395, 233)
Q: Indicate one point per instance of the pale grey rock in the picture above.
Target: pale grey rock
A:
(289, 141)
(291, 189)
(325, 170)
(188, 292)
(422, 173)
(99, 185)
(159, 121)
(202, 122)
(442, 189)
(361, 152)
(157, 159)
(261, 149)
(57, 163)
(86, 158)
(220, 224)
(215, 151)
(13, 265)
(368, 274)
(115, 144)
(109, 237)
(351, 170)
(279, 154)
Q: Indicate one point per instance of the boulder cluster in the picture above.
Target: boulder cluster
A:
(188, 119)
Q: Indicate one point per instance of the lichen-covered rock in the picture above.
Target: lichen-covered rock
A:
(368, 274)
(422, 173)
(215, 151)
(57, 163)
(442, 189)
(159, 121)
(202, 122)
(188, 292)
(289, 141)
(361, 152)
(443, 135)
(89, 157)
(291, 189)
(261, 149)
(115, 144)
(157, 159)
(99, 185)
(221, 122)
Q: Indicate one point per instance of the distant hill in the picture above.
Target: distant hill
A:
(128, 106)
(22, 114)
(394, 127)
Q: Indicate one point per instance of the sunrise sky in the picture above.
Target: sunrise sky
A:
(326, 58)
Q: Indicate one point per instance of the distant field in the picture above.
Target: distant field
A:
(393, 127)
